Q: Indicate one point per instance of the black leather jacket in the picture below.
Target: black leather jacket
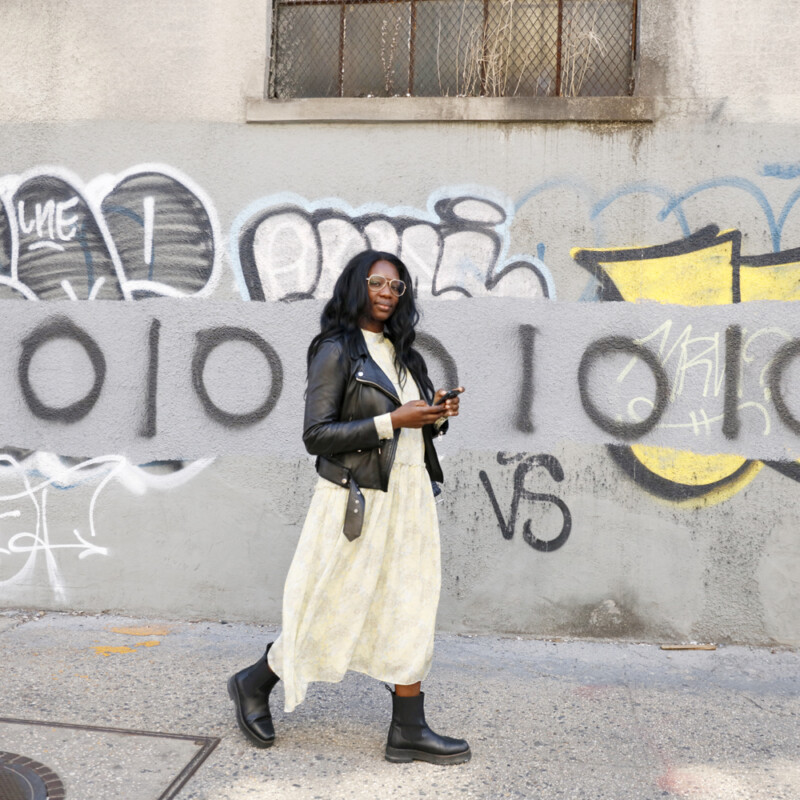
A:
(346, 389)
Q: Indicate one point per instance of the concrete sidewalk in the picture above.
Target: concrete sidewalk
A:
(545, 719)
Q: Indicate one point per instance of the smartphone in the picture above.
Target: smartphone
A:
(448, 396)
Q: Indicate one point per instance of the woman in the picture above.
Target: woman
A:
(363, 587)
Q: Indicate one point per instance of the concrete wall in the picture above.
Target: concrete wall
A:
(588, 492)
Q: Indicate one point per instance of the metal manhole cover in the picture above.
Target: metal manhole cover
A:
(153, 765)
(22, 778)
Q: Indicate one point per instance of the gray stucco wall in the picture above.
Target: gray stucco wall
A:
(126, 157)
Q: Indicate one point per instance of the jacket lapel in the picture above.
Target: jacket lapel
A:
(368, 371)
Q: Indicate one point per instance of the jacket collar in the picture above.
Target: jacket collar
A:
(368, 371)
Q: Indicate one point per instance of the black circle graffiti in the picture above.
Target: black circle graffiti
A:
(622, 344)
(60, 328)
(433, 347)
(207, 341)
(783, 357)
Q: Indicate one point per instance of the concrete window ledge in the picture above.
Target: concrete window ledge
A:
(452, 109)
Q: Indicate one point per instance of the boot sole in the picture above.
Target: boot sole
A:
(257, 741)
(400, 756)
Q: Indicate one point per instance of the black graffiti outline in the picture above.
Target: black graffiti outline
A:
(449, 222)
(785, 354)
(622, 344)
(508, 527)
(523, 420)
(625, 458)
(186, 206)
(103, 253)
(51, 330)
(434, 347)
(148, 429)
(207, 341)
(731, 424)
(708, 236)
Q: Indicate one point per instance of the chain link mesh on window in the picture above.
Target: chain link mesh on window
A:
(386, 48)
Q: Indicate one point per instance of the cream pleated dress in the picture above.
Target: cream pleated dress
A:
(368, 605)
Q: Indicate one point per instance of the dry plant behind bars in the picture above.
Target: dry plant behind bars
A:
(497, 63)
(580, 44)
(485, 56)
(466, 48)
(389, 52)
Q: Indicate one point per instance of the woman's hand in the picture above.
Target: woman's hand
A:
(450, 406)
(418, 414)
(415, 414)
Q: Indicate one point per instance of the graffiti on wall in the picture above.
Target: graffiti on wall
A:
(32, 528)
(703, 269)
(677, 214)
(151, 232)
(148, 232)
(508, 523)
(287, 248)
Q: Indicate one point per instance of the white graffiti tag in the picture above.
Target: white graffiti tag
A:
(25, 529)
(147, 231)
(287, 248)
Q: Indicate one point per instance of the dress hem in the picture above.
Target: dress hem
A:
(339, 680)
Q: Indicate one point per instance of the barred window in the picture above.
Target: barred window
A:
(466, 48)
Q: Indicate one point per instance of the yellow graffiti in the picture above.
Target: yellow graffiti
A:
(108, 650)
(699, 278)
(694, 469)
(703, 269)
(696, 271)
(778, 282)
(143, 630)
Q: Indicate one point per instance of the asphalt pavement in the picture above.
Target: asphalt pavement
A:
(137, 709)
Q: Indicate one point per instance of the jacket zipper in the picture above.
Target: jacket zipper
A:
(380, 388)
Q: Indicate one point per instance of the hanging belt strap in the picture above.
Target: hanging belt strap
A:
(341, 476)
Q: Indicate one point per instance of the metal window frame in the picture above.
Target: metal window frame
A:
(277, 4)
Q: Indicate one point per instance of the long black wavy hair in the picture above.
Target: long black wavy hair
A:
(341, 315)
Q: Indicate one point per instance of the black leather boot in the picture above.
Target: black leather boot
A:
(249, 689)
(410, 738)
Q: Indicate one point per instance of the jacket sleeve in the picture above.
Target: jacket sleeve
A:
(383, 424)
(324, 433)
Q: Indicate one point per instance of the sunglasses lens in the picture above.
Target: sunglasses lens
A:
(377, 282)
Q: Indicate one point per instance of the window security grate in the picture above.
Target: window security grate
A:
(497, 48)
